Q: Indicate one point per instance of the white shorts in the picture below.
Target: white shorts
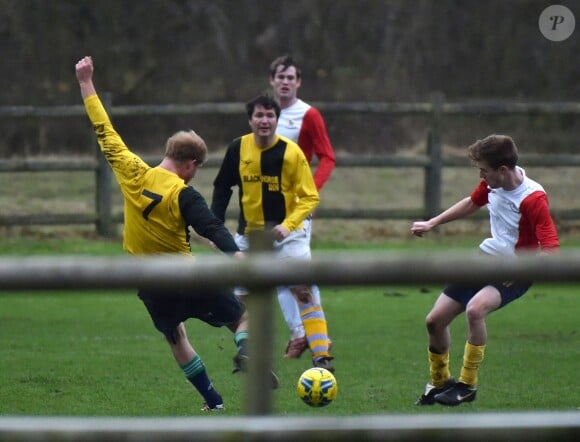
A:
(295, 245)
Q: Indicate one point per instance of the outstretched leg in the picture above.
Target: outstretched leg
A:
(193, 368)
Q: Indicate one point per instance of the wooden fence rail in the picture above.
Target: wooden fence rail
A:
(440, 427)
(336, 269)
(432, 163)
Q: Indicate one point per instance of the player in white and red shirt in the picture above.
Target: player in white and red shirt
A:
(520, 221)
(304, 125)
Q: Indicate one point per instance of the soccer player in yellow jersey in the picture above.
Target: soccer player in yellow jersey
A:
(159, 209)
(276, 192)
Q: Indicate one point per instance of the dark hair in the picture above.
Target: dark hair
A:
(285, 61)
(495, 150)
(264, 100)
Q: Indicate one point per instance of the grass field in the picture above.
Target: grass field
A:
(97, 354)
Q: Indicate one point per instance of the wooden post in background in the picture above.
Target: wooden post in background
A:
(433, 181)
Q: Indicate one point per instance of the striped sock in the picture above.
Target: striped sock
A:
(240, 339)
(195, 373)
(316, 329)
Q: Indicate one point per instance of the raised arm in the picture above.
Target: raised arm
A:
(126, 165)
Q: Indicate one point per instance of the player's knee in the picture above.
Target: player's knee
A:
(474, 312)
(432, 324)
(173, 335)
(303, 294)
(244, 317)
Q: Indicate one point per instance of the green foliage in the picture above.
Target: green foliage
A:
(97, 354)
(175, 51)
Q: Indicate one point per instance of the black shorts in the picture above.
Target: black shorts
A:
(169, 309)
(463, 294)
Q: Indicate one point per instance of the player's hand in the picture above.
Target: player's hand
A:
(420, 227)
(280, 232)
(84, 69)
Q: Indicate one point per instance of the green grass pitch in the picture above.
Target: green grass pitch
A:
(97, 354)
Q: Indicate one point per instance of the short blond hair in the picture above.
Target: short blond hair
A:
(184, 146)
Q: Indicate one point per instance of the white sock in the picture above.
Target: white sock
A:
(315, 294)
(290, 311)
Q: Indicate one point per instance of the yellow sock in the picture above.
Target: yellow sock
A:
(316, 330)
(439, 368)
(472, 358)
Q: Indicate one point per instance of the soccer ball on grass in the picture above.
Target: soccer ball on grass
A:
(317, 387)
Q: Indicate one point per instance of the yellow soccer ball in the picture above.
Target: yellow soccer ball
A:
(317, 387)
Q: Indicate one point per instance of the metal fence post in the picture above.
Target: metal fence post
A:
(104, 176)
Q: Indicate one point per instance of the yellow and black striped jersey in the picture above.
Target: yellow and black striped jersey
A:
(158, 204)
(275, 184)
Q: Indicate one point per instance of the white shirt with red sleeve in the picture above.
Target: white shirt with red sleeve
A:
(304, 125)
(520, 219)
